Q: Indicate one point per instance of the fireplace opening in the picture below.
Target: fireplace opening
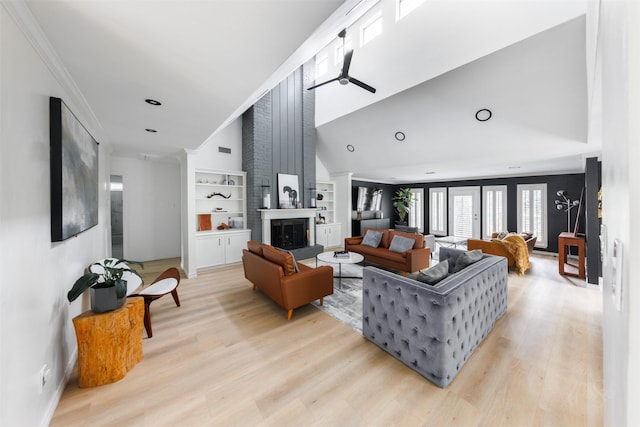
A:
(289, 233)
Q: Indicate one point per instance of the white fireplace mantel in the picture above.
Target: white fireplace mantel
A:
(268, 214)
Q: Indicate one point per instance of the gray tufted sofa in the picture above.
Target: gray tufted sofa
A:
(434, 329)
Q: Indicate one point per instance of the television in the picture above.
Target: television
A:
(369, 199)
(73, 173)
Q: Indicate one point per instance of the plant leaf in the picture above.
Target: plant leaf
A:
(121, 288)
(81, 285)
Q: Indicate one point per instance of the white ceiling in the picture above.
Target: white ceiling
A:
(207, 61)
(526, 61)
(202, 59)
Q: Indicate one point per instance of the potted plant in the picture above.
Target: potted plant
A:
(107, 287)
(401, 202)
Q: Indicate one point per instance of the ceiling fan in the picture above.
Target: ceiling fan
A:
(344, 76)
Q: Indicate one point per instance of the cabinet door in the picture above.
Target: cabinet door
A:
(333, 238)
(209, 251)
(321, 235)
(234, 244)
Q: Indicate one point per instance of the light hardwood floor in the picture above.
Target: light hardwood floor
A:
(229, 357)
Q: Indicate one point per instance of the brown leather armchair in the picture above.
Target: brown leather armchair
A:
(274, 273)
(495, 248)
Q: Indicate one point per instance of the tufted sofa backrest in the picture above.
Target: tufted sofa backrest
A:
(434, 330)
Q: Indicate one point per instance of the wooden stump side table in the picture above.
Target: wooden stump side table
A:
(569, 239)
(109, 344)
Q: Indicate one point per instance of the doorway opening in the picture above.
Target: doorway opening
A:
(116, 190)
(464, 212)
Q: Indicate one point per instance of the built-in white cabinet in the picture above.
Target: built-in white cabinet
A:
(221, 248)
(220, 201)
(329, 235)
(328, 232)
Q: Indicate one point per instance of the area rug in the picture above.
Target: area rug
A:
(345, 304)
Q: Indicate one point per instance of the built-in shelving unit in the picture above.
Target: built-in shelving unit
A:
(326, 206)
(220, 198)
(328, 232)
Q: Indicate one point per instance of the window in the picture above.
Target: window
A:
(438, 211)
(371, 29)
(532, 211)
(415, 217)
(339, 57)
(322, 65)
(405, 7)
(494, 210)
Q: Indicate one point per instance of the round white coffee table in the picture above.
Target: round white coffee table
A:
(329, 257)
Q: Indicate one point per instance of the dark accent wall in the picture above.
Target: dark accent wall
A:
(556, 220)
(279, 136)
(593, 181)
(388, 191)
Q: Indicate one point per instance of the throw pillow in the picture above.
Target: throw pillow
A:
(401, 244)
(293, 258)
(281, 258)
(372, 238)
(434, 274)
(467, 259)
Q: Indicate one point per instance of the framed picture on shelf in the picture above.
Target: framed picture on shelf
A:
(288, 191)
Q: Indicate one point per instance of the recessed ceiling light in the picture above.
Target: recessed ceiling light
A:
(483, 115)
(351, 148)
(429, 173)
(400, 136)
(152, 102)
(151, 130)
(514, 167)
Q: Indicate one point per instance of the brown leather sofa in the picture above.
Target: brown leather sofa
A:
(274, 273)
(413, 260)
(493, 248)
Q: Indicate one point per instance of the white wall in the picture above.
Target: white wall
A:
(619, 44)
(151, 208)
(35, 317)
(208, 157)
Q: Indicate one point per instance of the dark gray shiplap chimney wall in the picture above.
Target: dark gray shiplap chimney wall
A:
(279, 136)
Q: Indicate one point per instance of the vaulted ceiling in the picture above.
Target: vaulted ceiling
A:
(207, 61)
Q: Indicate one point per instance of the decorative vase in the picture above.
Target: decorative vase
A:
(105, 299)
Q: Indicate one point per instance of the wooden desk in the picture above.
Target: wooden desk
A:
(109, 344)
(569, 239)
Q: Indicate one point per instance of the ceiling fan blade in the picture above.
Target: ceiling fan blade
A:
(323, 83)
(346, 64)
(362, 85)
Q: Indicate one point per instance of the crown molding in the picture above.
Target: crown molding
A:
(75, 99)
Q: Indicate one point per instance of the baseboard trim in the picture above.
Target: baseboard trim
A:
(57, 395)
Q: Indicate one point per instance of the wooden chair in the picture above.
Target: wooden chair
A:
(166, 283)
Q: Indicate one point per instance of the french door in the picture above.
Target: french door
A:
(464, 212)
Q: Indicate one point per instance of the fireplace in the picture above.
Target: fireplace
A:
(306, 216)
(289, 233)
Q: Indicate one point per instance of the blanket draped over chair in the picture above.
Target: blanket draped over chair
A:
(517, 247)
